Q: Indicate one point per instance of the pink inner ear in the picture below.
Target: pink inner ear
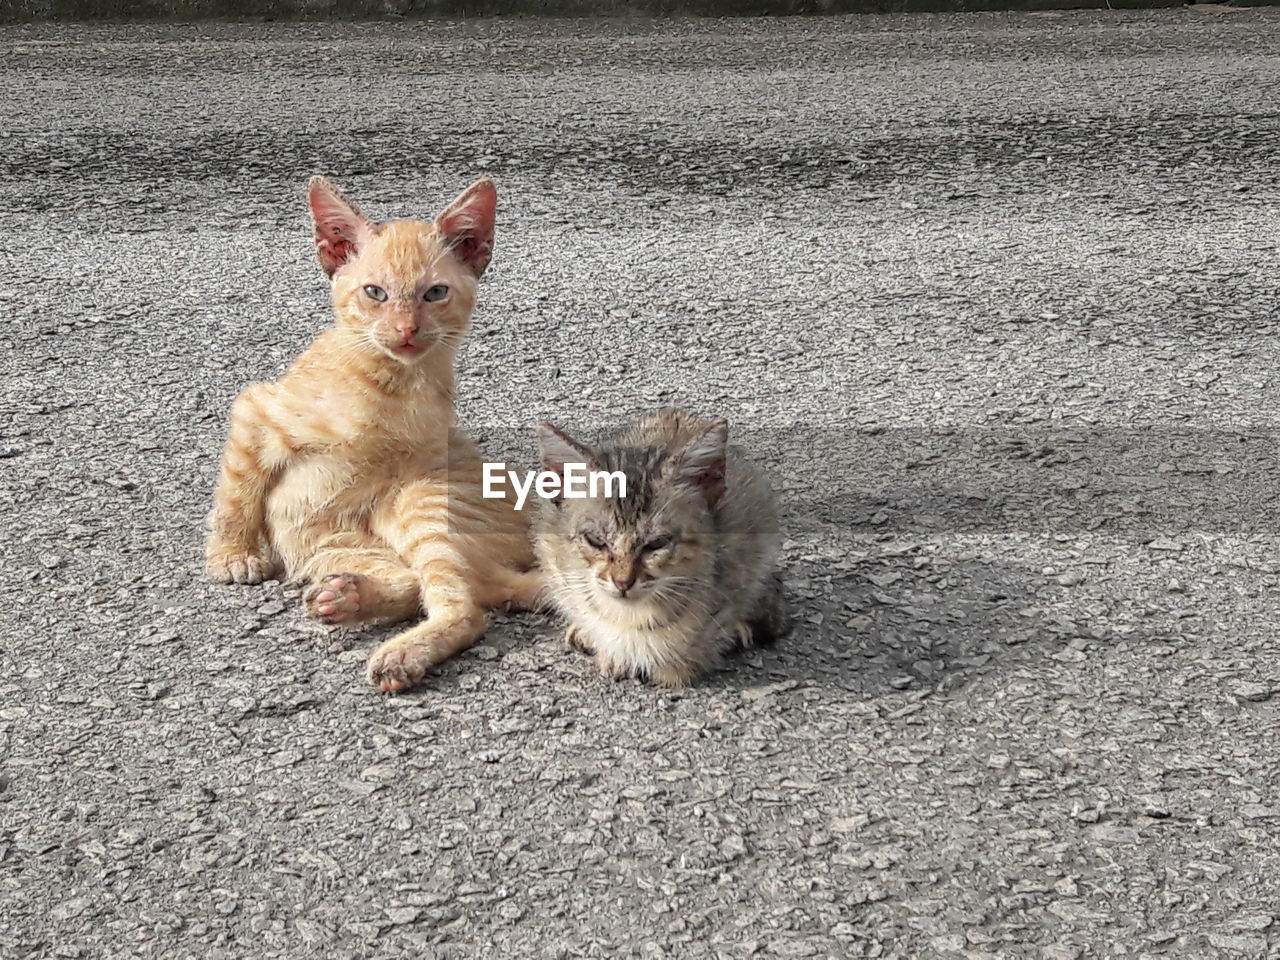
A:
(340, 227)
(467, 225)
(333, 250)
(473, 251)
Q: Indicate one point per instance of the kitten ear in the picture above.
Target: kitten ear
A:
(467, 225)
(341, 228)
(557, 449)
(701, 464)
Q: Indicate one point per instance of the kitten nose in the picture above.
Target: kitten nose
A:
(406, 328)
(623, 584)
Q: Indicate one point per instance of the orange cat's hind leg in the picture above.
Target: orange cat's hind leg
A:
(360, 586)
(456, 615)
(456, 619)
(451, 627)
(468, 553)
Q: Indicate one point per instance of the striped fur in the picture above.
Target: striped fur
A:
(349, 472)
(662, 582)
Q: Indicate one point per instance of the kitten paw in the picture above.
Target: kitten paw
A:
(574, 640)
(742, 636)
(335, 599)
(394, 669)
(610, 668)
(225, 566)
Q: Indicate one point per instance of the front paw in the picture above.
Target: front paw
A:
(575, 641)
(610, 668)
(229, 565)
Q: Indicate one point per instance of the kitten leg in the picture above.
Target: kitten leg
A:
(741, 636)
(345, 599)
(574, 640)
(452, 625)
(769, 622)
(470, 555)
(228, 564)
(373, 596)
(255, 450)
(455, 617)
(359, 584)
(610, 668)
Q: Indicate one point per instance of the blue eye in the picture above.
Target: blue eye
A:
(375, 293)
(438, 292)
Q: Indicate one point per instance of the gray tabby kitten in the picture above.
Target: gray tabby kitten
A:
(662, 582)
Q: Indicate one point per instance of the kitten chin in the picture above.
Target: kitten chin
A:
(693, 546)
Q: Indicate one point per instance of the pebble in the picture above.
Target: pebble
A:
(1253, 923)
(1114, 833)
(1256, 692)
(768, 690)
(1242, 944)
(403, 915)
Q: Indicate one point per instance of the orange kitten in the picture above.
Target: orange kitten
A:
(349, 472)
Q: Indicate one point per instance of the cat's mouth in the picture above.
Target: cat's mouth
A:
(632, 596)
(408, 348)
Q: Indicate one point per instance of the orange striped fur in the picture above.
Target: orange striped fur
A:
(350, 473)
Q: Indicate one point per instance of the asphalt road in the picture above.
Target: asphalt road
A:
(994, 296)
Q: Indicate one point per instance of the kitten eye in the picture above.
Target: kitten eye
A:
(658, 543)
(375, 293)
(438, 292)
(592, 541)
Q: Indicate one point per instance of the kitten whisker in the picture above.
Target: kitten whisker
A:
(672, 625)
(330, 473)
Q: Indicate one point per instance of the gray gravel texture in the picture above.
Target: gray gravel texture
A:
(993, 296)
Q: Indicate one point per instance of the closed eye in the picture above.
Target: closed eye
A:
(375, 293)
(658, 543)
(438, 292)
(592, 541)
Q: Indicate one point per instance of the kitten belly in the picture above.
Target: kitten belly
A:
(318, 497)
